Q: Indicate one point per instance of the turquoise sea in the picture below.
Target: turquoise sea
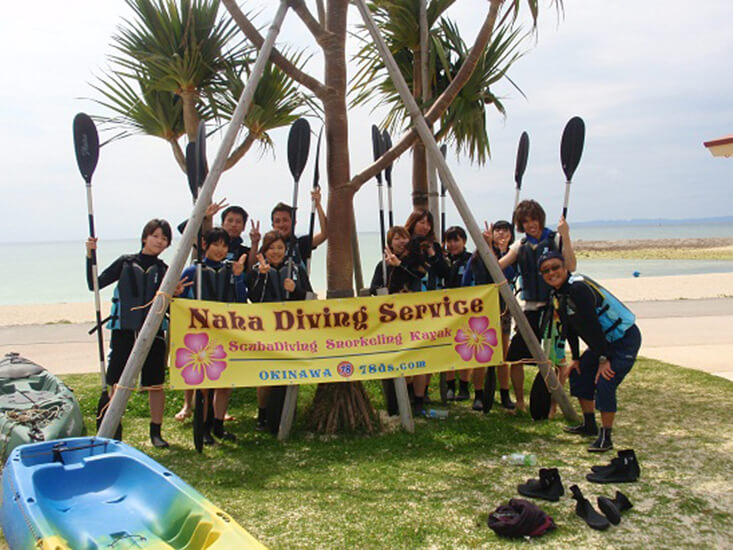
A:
(46, 273)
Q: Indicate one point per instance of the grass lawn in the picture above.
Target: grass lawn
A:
(435, 488)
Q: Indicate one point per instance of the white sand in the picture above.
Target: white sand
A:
(715, 285)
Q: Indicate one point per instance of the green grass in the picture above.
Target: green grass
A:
(435, 488)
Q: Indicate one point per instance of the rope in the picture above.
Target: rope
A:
(167, 297)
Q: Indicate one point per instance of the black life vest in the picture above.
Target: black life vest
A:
(218, 284)
(136, 288)
(534, 288)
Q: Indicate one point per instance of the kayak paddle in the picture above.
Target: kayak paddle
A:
(299, 141)
(86, 147)
(387, 145)
(378, 150)
(316, 177)
(571, 149)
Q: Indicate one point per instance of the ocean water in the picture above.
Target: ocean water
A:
(46, 273)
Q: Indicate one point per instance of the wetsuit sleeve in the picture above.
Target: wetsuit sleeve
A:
(377, 279)
(108, 276)
(301, 286)
(438, 263)
(586, 322)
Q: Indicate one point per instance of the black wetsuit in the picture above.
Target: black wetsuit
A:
(577, 305)
(122, 340)
(402, 278)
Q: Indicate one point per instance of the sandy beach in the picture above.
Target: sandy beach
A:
(674, 287)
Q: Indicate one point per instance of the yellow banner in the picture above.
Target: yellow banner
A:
(215, 344)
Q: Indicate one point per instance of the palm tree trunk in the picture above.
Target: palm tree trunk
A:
(419, 159)
(190, 116)
(344, 405)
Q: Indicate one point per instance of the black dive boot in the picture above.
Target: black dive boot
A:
(623, 468)
(155, 437)
(208, 425)
(603, 443)
(588, 427)
(221, 433)
(585, 510)
(547, 487)
(506, 401)
(612, 507)
(626, 454)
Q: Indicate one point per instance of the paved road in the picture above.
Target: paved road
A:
(693, 333)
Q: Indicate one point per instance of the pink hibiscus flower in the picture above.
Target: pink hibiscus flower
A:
(198, 360)
(477, 340)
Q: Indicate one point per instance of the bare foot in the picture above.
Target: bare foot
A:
(183, 414)
(521, 406)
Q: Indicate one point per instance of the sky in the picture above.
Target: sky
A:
(651, 79)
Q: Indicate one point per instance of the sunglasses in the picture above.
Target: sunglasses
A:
(551, 268)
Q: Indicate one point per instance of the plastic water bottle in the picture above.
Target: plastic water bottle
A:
(437, 413)
(520, 459)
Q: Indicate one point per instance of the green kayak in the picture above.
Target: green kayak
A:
(34, 405)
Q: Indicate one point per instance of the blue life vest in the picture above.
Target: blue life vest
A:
(136, 288)
(615, 318)
(534, 288)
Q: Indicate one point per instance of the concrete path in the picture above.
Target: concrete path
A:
(692, 333)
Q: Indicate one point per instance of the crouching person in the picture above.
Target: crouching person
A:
(589, 312)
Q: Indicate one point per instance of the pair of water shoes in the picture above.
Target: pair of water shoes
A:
(611, 508)
(622, 469)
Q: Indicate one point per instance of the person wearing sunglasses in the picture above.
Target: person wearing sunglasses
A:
(589, 312)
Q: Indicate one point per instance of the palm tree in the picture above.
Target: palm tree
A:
(178, 63)
(464, 121)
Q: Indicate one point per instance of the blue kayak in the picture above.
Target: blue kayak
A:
(90, 493)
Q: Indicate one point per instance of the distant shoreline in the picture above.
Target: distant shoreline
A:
(637, 244)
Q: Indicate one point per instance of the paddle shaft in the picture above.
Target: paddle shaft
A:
(566, 200)
(381, 232)
(95, 285)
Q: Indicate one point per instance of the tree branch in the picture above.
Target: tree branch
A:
(178, 153)
(253, 35)
(321, 35)
(239, 152)
(441, 104)
(321, 12)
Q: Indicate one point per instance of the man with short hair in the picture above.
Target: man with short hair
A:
(282, 222)
(591, 313)
(233, 221)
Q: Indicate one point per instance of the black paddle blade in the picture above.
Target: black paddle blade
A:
(571, 146)
(316, 174)
(377, 147)
(86, 145)
(443, 151)
(191, 169)
(522, 154)
(200, 145)
(540, 399)
(299, 142)
(198, 420)
(386, 146)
